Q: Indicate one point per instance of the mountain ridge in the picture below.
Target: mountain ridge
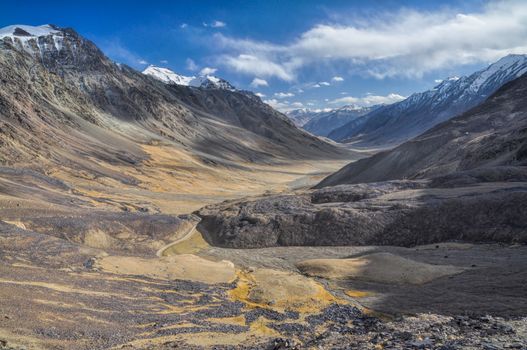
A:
(403, 120)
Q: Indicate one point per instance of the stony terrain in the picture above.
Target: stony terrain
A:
(102, 166)
(402, 213)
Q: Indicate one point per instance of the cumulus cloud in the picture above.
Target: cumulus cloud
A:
(283, 94)
(337, 78)
(257, 82)
(283, 106)
(369, 100)
(261, 66)
(324, 83)
(208, 71)
(259, 94)
(406, 43)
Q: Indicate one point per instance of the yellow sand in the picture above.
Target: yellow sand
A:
(378, 267)
(184, 267)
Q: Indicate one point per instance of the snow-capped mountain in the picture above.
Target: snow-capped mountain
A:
(56, 48)
(168, 76)
(403, 120)
(39, 41)
(23, 35)
(301, 116)
(211, 82)
(325, 123)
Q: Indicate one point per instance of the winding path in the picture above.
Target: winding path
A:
(187, 235)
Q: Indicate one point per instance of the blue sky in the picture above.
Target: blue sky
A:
(306, 53)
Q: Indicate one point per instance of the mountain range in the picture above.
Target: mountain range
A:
(490, 135)
(86, 91)
(324, 124)
(398, 122)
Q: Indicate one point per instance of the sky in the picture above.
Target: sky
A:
(297, 54)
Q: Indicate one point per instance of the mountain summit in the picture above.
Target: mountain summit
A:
(168, 76)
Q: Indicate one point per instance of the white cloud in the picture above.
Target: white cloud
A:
(257, 82)
(369, 100)
(437, 81)
(142, 62)
(324, 83)
(283, 106)
(183, 25)
(315, 85)
(279, 105)
(215, 24)
(163, 61)
(337, 78)
(250, 64)
(208, 71)
(259, 94)
(218, 24)
(405, 43)
(191, 65)
(283, 94)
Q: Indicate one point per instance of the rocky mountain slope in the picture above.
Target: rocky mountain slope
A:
(401, 121)
(490, 135)
(324, 124)
(67, 110)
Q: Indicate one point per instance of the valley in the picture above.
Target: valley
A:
(162, 211)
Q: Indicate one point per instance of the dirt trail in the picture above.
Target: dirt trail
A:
(188, 235)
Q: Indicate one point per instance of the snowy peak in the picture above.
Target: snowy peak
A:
(351, 108)
(507, 68)
(167, 76)
(33, 38)
(61, 50)
(212, 82)
(25, 31)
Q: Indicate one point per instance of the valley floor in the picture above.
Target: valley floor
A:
(90, 276)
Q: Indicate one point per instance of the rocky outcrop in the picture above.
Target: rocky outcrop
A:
(402, 213)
